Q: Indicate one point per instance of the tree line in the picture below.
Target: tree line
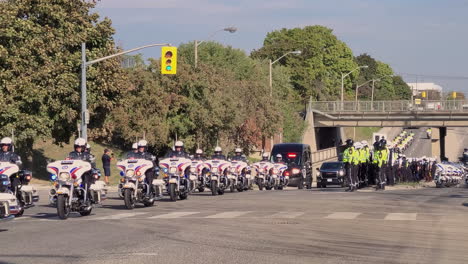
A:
(225, 100)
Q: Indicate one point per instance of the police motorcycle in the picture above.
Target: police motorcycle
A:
(262, 169)
(198, 175)
(240, 170)
(445, 176)
(26, 194)
(218, 175)
(120, 190)
(9, 204)
(280, 175)
(69, 194)
(175, 171)
(134, 188)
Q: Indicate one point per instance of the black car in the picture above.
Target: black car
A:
(331, 173)
(298, 158)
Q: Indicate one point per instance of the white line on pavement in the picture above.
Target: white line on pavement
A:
(285, 215)
(343, 215)
(117, 216)
(174, 215)
(228, 214)
(401, 216)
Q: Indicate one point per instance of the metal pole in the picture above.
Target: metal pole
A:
(84, 128)
(271, 79)
(372, 96)
(196, 53)
(342, 88)
(355, 100)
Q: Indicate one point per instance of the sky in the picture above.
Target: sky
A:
(424, 37)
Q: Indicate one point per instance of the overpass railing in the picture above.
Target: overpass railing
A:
(391, 106)
(324, 155)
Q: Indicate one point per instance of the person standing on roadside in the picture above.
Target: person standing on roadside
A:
(106, 164)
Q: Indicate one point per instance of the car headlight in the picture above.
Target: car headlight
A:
(129, 173)
(341, 173)
(64, 176)
(296, 171)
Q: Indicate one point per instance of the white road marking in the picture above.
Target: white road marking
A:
(173, 215)
(401, 216)
(117, 216)
(22, 218)
(343, 215)
(228, 214)
(285, 215)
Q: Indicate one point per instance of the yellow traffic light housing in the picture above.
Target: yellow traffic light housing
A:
(423, 94)
(454, 95)
(168, 60)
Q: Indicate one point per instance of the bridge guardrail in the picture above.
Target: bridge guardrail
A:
(324, 154)
(391, 106)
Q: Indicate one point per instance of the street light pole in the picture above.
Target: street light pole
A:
(271, 76)
(197, 43)
(84, 64)
(297, 52)
(344, 76)
(84, 107)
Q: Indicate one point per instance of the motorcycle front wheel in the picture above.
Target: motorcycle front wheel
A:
(214, 188)
(172, 192)
(62, 207)
(128, 199)
(260, 185)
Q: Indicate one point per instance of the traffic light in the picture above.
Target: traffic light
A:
(454, 95)
(168, 60)
(423, 94)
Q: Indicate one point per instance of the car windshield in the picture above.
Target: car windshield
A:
(288, 157)
(331, 166)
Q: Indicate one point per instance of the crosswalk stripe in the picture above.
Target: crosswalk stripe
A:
(174, 215)
(401, 216)
(118, 216)
(22, 218)
(228, 214)
(285, 215)
(343, 215)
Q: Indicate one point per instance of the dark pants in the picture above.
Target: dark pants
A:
(349, 172)
(390, 175)
(149, 176)
(355, 172)
(382, 176)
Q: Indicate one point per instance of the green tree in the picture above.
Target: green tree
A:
(317, 71)
(40, 56)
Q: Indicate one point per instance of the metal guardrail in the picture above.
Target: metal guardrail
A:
(324, 154)
(390, 106)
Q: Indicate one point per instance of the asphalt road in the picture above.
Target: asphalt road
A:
(290, 226)
(421, 145)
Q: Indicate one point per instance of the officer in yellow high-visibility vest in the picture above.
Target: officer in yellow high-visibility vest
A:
(383, 159)
(361, 160)
(349, 155)
(366, 163)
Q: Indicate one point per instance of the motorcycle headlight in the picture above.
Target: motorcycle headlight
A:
(341, 173)
(296, 171)
(214, 170)
(129, 173)
(64, 176)
(173, 170)
(192, 170)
